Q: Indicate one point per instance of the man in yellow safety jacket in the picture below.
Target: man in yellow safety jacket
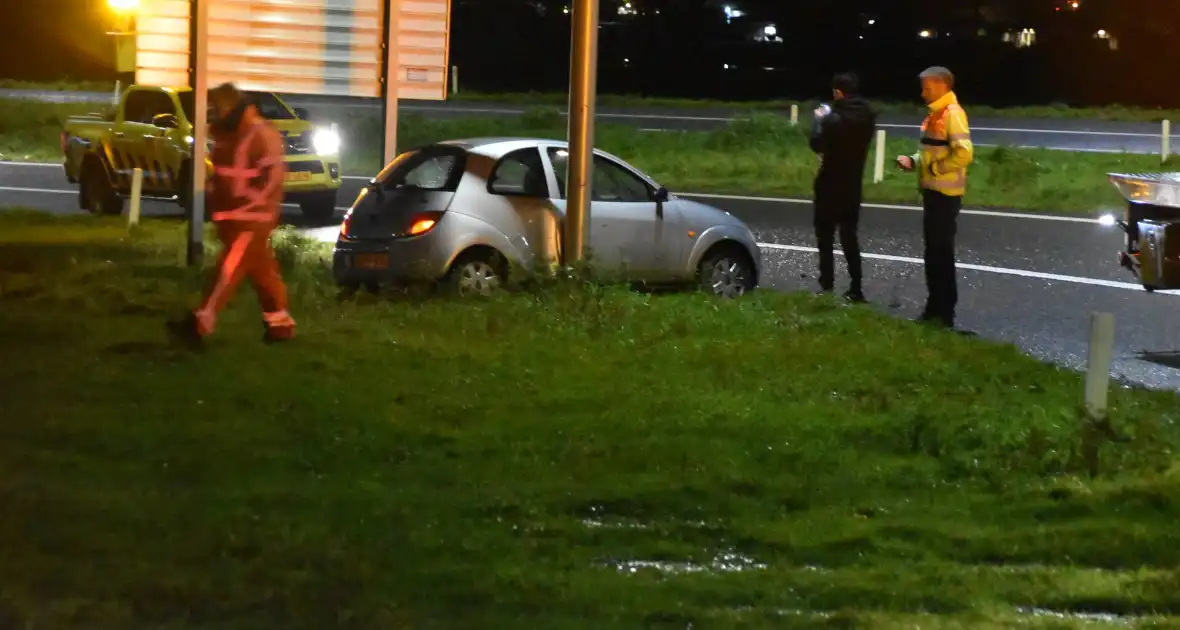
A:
(942, 177)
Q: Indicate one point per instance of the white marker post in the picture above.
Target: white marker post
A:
(115, 98)
(454, 80)
(1165, 140)
(879, 158)
(136, 196)
(794, 114)
(1098, 364)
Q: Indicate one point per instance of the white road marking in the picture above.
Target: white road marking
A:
(885, 206)
(785, 200)
(999, 270)
(38, 190)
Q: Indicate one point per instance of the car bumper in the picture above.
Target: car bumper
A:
(403, 260)
(308, 174)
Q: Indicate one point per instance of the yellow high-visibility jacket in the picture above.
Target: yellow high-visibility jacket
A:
(946, 148)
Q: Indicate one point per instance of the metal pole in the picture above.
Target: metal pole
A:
(199, 80)
(1165, 140)
(391, 79)
(583, 87)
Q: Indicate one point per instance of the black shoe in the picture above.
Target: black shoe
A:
(184, 332)
(855, 297)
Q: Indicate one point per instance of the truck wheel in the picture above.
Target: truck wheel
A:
(96, 194)
(319, 207)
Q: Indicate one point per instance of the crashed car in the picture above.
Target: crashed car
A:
(1151, 224)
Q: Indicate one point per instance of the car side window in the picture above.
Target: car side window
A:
(520, 174)
(429, 169)
(611, 182)
(160, 103)
(432, 173)
(136, 105)
(614, 183)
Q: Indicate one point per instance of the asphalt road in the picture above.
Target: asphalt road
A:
(1068, 135)
(1030, 280)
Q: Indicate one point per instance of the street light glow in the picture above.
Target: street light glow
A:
(123, 5)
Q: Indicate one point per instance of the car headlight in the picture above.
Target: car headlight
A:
(326, 141)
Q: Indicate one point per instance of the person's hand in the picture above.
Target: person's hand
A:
(905, 162)
(819, 112)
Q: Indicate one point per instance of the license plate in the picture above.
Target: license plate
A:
(372, 261)
(298, 176)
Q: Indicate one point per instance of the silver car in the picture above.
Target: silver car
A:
(469, 212)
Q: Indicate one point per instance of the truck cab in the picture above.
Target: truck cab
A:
(151, 129)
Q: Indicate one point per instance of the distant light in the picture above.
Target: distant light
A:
(123, 5)
(1106, 219)
(1102, 32)
(770, 31)
(1074, 4)
(872, 22)
(726, 66)
(924, 34)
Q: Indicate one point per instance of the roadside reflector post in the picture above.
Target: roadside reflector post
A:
(1165, 140)
(136, 194)
(879, 158)
(115, 98)
(1098, 364)
(794, 114)
(454, 80)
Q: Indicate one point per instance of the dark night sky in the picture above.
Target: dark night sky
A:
(683, 50)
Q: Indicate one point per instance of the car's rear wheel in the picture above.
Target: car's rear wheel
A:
(726, 271)
(478, 272)
(96, 194)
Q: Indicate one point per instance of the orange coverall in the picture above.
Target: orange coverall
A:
(244, 202)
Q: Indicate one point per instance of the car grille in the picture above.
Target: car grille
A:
(314, 167)
(297, 144)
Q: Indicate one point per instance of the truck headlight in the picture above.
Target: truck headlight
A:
(326, 141)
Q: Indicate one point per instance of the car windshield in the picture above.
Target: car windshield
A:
(437, 168)
(268, 105)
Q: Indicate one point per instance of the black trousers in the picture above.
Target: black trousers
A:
(831, 215)
(940, 218)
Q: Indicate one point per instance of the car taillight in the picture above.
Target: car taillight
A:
(423, 223)
(346, 223)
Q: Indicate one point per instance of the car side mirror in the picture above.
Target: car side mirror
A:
(302, 113)
(165, 121)
(660, 195)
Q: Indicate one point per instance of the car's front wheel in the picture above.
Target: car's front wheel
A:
(726, 271)
(319, 207)
(96, 194)
(479, 272)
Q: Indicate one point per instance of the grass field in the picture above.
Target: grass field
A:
(580, 457)
(758, 155)
(1056, 111)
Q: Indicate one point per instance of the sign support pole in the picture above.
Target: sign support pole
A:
(390, 80)
(199, 81)
(583, 92)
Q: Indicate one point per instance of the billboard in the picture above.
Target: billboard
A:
(318, 47)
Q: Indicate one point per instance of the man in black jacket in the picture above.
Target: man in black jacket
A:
(841, 135)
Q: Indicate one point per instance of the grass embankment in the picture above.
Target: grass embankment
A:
(512, 463)
(759, 155)
(1118, 113)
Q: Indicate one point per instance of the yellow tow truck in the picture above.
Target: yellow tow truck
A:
(150, 129)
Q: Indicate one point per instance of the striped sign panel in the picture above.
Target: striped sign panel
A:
(323, 47)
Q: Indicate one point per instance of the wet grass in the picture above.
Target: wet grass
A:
(759, 155)
(1058, 111)
(536, 461)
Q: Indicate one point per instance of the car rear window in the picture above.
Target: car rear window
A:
(436, 168)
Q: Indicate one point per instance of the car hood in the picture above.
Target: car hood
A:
(703, 215)
(295, 126)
